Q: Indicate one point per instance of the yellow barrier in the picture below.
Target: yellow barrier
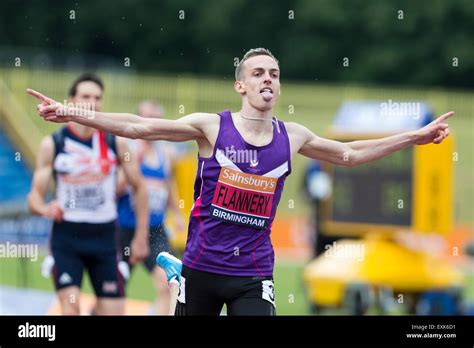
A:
(184, 173)
(17, 124)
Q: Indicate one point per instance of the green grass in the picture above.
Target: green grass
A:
(290, 297)
(290, 293)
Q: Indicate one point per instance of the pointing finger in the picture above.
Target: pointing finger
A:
(445, 116)
(40, 96)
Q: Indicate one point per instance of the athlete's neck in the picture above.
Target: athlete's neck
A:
(250, 112)
(254, 121)
(81, 130)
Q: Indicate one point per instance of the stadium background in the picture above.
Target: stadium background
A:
(185, 61)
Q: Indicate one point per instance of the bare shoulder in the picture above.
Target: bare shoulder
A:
(296, 129)
(298, 135)
(46, 147)
(199, 118)
(45, 152)
(47, 143)
(207, 123)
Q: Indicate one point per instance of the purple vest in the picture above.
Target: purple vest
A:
(236, 194)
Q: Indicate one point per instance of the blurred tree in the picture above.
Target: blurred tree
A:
(399, 42)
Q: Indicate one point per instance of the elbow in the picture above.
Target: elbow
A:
(141, 194)
(131, 135)
(350, 158)
(130, 132)
(30, 202)
(358, 157)
(352, 163)
(348, 163)
(120, 191)
(140, 187)
(138, 130)
(135, 129)
(355, 159)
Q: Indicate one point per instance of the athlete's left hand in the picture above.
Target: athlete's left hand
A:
(139, 249)
(434, 132)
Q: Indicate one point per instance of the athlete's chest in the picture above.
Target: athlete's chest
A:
(84, 159)
(244, 187)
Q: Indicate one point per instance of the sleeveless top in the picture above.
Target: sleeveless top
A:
(85, 174)
(236, 194)
(155, 176)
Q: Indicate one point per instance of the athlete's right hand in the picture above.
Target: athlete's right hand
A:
(49, 109)
(54, 211)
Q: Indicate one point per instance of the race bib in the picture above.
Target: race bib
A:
(157, 195)
(242, 198)
(157, 192)
(85, 196)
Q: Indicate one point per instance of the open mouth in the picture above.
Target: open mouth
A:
(267, 93)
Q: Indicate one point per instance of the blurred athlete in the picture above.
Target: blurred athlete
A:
(155, 164)
(83, 162)
(244, 159)
(317, 188)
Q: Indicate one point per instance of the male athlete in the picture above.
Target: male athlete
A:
(83, 162)
(229, 257)
(155, 159)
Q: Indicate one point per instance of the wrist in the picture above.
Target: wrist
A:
(43, 210)
(141, 233)
(72, 112)
(414, 137)
(64, 112)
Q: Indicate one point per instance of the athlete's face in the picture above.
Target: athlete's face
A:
(149, 110)
(260, 82)
(88, 95)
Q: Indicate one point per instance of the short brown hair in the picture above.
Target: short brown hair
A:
(252, 53)
(83, 78)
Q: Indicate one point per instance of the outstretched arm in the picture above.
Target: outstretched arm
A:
(363, 151)
(189, 127)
